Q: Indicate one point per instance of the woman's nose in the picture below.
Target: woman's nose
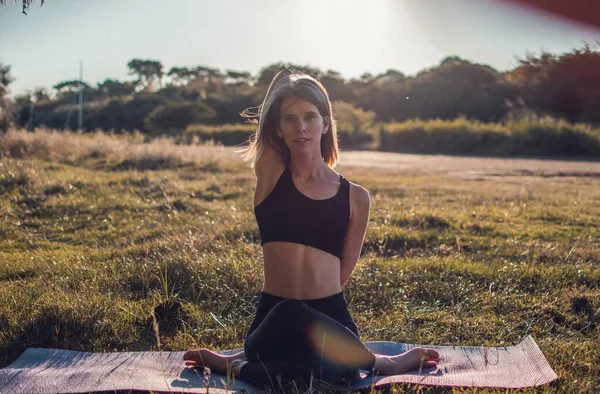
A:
(302, 125)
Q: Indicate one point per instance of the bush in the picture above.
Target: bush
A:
(175, 117)
(226, 134)
(354, 125)
(533, 137)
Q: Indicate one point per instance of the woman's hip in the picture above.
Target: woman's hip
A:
(334, 306)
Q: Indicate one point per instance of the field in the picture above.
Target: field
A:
(110, 244)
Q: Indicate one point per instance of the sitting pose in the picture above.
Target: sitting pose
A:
(312, 223)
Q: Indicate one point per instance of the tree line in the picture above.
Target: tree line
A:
(155, 100)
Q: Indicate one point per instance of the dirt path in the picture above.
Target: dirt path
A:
(471, 166)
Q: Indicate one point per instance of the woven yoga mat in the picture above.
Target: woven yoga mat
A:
(65, 371)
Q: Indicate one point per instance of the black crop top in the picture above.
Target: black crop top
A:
(288, 215)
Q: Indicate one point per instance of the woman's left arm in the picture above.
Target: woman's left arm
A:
(360, 203)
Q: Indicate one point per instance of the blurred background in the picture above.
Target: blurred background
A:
(477, 77)
(126, 212)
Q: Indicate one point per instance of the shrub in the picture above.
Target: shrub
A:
(175, 117)
(535, 137)
(354, 125)
(226, 134)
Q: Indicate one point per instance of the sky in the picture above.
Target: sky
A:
(348, 36)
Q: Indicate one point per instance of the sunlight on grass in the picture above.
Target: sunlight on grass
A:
(163, 253)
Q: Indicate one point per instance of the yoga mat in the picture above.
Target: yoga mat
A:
(66, 371)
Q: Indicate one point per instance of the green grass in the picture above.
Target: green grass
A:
(164, 254)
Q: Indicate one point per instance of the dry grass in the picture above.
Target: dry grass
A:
(124, 151)
(91, 256)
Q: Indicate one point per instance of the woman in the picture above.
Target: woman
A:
(312, 223)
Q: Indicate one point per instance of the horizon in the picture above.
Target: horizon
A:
(403, 35)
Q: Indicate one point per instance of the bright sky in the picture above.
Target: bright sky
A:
(348, 36)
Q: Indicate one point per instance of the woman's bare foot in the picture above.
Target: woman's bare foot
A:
(216, 362)
(415, 358)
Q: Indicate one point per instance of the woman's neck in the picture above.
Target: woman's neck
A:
(308, 167)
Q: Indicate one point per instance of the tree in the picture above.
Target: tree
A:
(26, 4)
(456, 88)
(5, 79)
(149, 73)
(70, 86)
(266, 74)
(565, 86)
(237, 83)
(40, 95)
(206, 72)
(113, 87)
(23, 99)
(205, 80)
(5, 111)
(180, 76)
(390, 76)
(239, 77)
(336, 85)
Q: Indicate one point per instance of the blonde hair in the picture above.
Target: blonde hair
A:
(288, 84)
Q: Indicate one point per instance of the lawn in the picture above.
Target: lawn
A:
(110, 244)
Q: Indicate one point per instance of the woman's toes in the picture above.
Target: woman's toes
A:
(432, 354)
(189, 354)
(429, 354)
(192, 355)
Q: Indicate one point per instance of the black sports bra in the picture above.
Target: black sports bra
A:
(288, 215)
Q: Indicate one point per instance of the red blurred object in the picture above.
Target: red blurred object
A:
(583, 11)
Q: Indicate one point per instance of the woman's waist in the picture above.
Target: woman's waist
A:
(301, 283)
(334, 306)
(282, 290)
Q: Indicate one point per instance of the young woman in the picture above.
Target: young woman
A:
(312, 222)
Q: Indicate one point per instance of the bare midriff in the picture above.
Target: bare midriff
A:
(299, 271)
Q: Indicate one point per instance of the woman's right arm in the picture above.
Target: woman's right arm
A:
(268, 169)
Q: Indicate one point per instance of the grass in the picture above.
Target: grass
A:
(163, 253)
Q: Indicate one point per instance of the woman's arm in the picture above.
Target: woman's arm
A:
(360, 203)
(267, 168)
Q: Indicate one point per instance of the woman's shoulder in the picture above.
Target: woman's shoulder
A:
(360, 198)
(270, 162)
(359, 191)
(268, 169)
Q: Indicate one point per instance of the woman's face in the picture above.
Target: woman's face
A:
(301, 125)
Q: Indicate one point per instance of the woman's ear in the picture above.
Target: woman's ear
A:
(325, 124)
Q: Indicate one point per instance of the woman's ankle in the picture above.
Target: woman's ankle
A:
(236, 367)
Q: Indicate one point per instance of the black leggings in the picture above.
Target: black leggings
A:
(290, 340)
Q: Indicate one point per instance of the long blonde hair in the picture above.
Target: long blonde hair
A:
(288, 84)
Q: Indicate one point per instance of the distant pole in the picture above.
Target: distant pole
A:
(80, 95)
(31, 106)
